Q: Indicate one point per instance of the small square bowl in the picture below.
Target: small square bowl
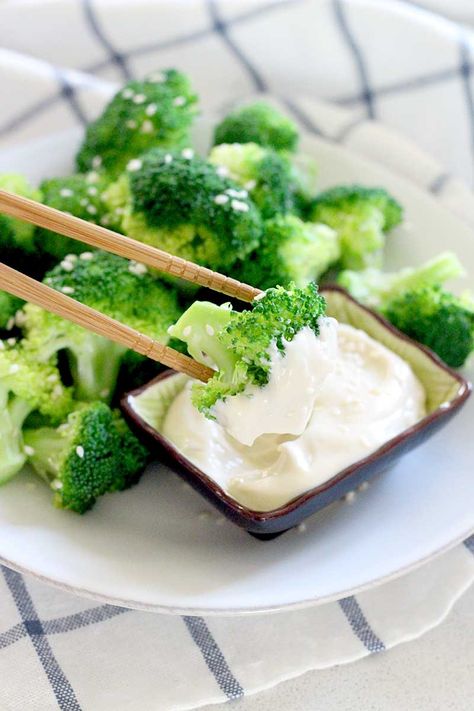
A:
(446, 392)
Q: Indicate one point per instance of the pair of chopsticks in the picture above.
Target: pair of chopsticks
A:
(29, 289)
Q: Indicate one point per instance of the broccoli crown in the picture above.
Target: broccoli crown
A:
(291, 251)
(16, 235)
(181, 204)
(438, 319)
(264, 173)
(79, 195)
(155, 112)
(258, 123)
(93, 452)
(361, 216)
(239, 343)
(9, 305)
(124, 291)
(376, 289)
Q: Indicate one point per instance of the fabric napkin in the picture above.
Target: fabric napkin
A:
(61, 60)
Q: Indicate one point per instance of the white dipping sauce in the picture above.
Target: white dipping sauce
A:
(364, 394)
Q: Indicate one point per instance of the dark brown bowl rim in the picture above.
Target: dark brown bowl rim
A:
(464, 392)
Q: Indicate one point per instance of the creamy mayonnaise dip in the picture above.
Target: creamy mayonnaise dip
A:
(362, 395)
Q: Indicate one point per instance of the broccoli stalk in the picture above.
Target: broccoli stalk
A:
(361, 216)
(258, 123)
(239, 343)
(93, 452)
(377, 289)
(290, 251)
(125, 291)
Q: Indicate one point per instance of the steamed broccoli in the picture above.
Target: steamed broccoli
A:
(93, 452)
(262, 172)
(239, 343)
(258, 123)
(121, 289)
(290, 251)
(26, 386)
(361, 216)
(377, 289)
(155, 112)
(179, 203)
(79, 195)
(17, 238)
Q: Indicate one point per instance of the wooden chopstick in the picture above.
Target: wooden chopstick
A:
(110, 241)
(31, 290)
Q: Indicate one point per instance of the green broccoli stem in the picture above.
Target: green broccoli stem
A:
(13, 413)
(95, 366)
(46, 446)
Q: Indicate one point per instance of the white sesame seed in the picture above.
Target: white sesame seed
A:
(105, 220)
(127, 93)
(80, 451)
(71, 257)
(20, 318)
(134, 164)
(119, 211)
(237, 193)
(52, 378)
(137, 268)
(67, 290)
(187, 330)
(131, 123)
(29, 451)
(2, 346)
(222, 171)
(301, 528)
(239, 206)
(86, 256)
(96, 162)
(350, 497)
(250, 185)
(179, 101)
(57, 391)
(151, 109)
(83, 202)
(92, 177)
(139, 99)
(209, 330)
(221, 199)
(11, 342)
(147, 127)
(56, 484)
(10, 323)
(168, 158)
(67, 265)
(14, 368)
(66, 192)
(92, 190)
(187, 153)
(157, 77)
(91, 210)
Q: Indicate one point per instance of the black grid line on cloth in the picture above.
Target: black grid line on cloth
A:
(213, 657)
(437, 185)
(115, 57)
(367, 94)
(221, 29)
(68, 92)
(469, 543)
(302, 117)
(60, 685)
(465, 69)
(360, 625)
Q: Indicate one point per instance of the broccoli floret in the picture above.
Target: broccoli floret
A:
(291, 251)
(179, 203)
(79, 195)
(155, 112)
(121, 289)
(262, 172)
(438, 319)
(93, 452)
(361, 216)
(25, 386)
(377, 289)
(17, 237)
(258, 123)
(239, 343)
(9, 305)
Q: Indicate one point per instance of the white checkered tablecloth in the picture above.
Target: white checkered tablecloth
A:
(376, 64)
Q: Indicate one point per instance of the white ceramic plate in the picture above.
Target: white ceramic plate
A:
(160, 547)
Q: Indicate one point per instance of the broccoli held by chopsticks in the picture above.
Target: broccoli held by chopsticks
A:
(157, 111)
(361, 216)
(90, 454)
(258, 123)
(239, 343)
(178, 202)
(123, 290)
